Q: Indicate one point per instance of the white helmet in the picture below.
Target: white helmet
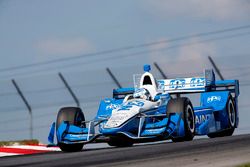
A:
(142, 93)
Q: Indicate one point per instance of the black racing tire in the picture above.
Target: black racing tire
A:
(70, 147)
(231, 113)
(118, 141)
(183, 105)
(74, 116)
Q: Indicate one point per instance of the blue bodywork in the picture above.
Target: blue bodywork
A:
(211, 116)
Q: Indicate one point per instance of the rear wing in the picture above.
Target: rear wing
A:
(206, 83)
(198, 84)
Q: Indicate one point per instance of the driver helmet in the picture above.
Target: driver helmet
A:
(142, 93)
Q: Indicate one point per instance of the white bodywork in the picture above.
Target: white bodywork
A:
(152, 87)
(128, 110)
(131, 107)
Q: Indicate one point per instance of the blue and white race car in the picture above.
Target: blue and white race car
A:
(153, 110)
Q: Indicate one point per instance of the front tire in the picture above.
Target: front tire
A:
(183, 106)
(70, 147)
(74, 116)
(119, 141)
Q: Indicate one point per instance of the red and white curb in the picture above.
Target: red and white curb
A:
(25, 149)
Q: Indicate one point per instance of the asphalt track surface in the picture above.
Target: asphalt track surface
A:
(224, 151)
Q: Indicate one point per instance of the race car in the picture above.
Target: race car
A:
(153, 110)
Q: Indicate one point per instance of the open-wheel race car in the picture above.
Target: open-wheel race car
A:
(153, 110)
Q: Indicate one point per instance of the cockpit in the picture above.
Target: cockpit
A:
(148, 82)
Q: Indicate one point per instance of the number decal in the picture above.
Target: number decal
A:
(129, 105)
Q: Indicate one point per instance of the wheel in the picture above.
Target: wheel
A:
(183, 106)
(118, 141)
(231, 113)
(74, 116)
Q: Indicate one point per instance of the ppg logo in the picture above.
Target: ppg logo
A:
(112, 106)
(161, 85)
(213, 99)
(197, 82)
(177, 83)
(129, 105)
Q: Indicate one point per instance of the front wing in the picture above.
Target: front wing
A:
(166, 128)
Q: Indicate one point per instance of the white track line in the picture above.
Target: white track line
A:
(30, 147)
(2, 154)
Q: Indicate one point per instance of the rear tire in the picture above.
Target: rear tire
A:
(74, 116)
(183, 106)
(231, 121)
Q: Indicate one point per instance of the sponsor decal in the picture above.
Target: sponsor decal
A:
(130, 104)
(117, 119)
(197, 82)
(161, 85)
(107, 101)
(213, 99)
(112, 106)
(77, 135)
(177, 83)
(154, 131)
(199, 119)
(121, 115)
